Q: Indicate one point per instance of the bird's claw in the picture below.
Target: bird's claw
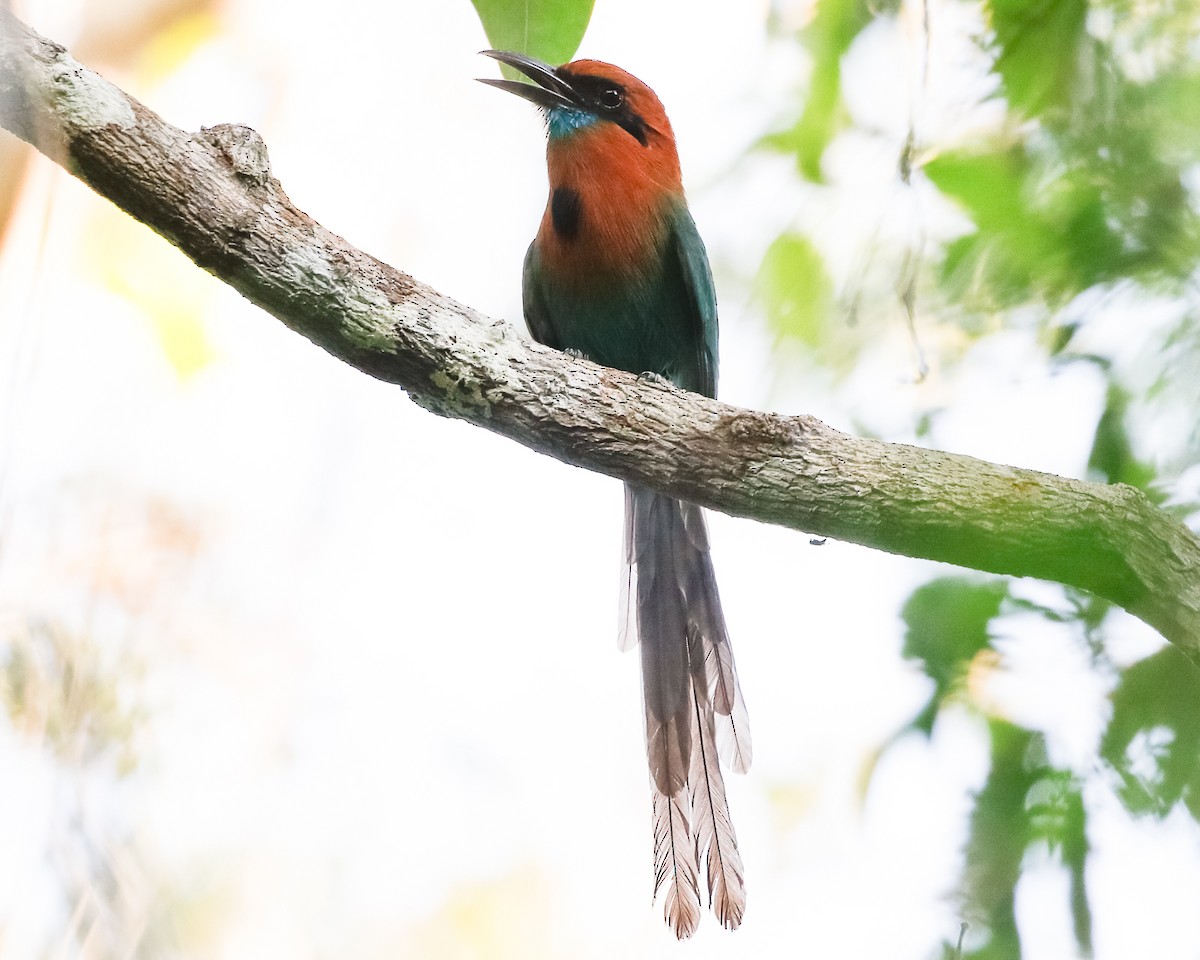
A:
(575, 354)
(656, 378)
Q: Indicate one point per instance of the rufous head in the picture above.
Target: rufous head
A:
(586, 93)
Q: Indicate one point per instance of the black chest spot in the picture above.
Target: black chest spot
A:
(566, 211)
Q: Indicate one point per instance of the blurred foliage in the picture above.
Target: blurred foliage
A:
(797, 289)
(1112, 459)
(57, 688)
(100, 578)
(1068, 209)
(63, 690)
(947, 624)
(1153, 738)
(168, 48)
(1039, 45)
(156, 278)
(1074, 173)
(1084, 184)
(550, 30)
(1026, 804)
(833, 28)
(504, 919)
(123, 33)
(14, 155)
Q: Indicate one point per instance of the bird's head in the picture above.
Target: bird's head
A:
(587, 93)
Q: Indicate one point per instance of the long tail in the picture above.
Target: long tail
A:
(693, 704)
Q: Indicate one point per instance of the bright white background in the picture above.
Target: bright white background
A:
(370, 654)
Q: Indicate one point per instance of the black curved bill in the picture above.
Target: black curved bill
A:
(551, 90)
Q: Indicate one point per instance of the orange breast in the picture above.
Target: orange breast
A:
(624, 191)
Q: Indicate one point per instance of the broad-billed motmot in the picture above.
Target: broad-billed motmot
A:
(619, 274)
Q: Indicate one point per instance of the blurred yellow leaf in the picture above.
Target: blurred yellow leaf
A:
(506, 918)
(790, 803)
(136, 264)
(982, 669)
(171, 46)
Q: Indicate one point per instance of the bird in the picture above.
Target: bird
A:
(617, 273)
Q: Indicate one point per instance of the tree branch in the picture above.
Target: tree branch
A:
(212, 195)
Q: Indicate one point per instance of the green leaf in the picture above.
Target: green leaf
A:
(1024, 801)
(797, 287)
(1058, 818)
(1169, 102)
(999, 833)
(1094, 192)
(1112, 459)
(1153, 738)
(1009, 242)
(1040, 230)
(947, 621)
(550, 30)
(828, 37)
(1039, 48)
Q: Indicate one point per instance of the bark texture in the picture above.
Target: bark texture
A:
(212, 195)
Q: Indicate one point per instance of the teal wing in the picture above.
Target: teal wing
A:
(700, 301)
(537, 314)
(668, 327)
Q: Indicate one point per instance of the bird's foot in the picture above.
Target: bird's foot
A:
(656, 378)
(575, 354)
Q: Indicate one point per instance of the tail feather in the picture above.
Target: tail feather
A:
(662, 627)
(713, 663)
(627, 626)
(733, 737)
(693, 704)
(675, 862)
(712, 824)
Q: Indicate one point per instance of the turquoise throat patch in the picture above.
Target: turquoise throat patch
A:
(563, 122)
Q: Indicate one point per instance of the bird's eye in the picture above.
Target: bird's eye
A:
(610, 98)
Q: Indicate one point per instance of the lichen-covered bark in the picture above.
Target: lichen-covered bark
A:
(212, 195)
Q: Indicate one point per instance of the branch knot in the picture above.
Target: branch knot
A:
(243, 149)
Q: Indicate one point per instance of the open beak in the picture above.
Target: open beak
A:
(551, 91)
